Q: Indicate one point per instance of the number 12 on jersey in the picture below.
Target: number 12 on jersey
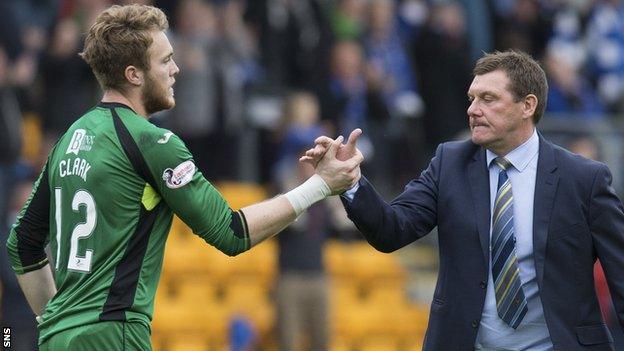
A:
(82, 230)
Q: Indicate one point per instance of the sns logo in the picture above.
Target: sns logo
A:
(179, 176)
(80, 141)
(6, 337)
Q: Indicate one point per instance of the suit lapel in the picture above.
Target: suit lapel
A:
(479, 179)
(545, 188)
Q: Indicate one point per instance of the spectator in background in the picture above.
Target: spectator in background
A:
(606, 306)
(23, 72)
(295, 39)
(570, 94)
(390, 72)
(347, 19)
(83, 12)
(195, 117)
(9, 32)
(352, 97)
(22, 18)
(480, 27)
(303, 286)
(69, 86)
(15, 311)
(301, 123)
(386, 52)
(10, 133)
(25, 64)
(586, 146)
(567, 35)
(443, 63)
(217, 58)
(605, 40)
(412, 15)
(526, 27)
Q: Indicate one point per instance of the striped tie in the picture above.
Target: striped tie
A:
(510, 301)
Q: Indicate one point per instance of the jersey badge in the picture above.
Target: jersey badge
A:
(179, 176)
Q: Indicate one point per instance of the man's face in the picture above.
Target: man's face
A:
(158, 89)
(495, 119)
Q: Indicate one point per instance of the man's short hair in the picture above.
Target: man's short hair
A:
(120, 37)
(525, 75)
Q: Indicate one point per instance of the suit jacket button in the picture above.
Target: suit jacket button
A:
(482, 284)
(475, 323)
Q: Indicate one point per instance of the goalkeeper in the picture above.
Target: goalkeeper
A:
(106, 196)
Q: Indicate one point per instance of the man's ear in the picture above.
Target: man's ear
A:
(134, 76)
(529, 105)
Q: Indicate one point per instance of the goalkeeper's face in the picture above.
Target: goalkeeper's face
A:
(157, 90)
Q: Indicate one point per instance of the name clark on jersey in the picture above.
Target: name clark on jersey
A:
(77, 166)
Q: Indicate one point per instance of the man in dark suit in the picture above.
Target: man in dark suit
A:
(520, 224)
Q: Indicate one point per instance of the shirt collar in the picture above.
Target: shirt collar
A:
(114, 105)
(521, 156)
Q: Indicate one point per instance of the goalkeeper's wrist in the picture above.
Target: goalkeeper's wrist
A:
(305, 195)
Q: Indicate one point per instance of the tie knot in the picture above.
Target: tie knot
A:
(502, 162)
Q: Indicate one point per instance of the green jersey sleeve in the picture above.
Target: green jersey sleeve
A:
(191, 197)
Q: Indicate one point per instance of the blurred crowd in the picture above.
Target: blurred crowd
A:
(261, 79)
(398, 69)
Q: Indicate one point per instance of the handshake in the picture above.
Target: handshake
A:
(336, 166)
(337, 163)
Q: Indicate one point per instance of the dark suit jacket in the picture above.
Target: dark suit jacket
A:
(577, 218)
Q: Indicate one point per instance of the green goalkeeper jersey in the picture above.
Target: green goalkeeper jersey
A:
(104, 202)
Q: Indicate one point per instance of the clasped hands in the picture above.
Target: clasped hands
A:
(337, 163)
